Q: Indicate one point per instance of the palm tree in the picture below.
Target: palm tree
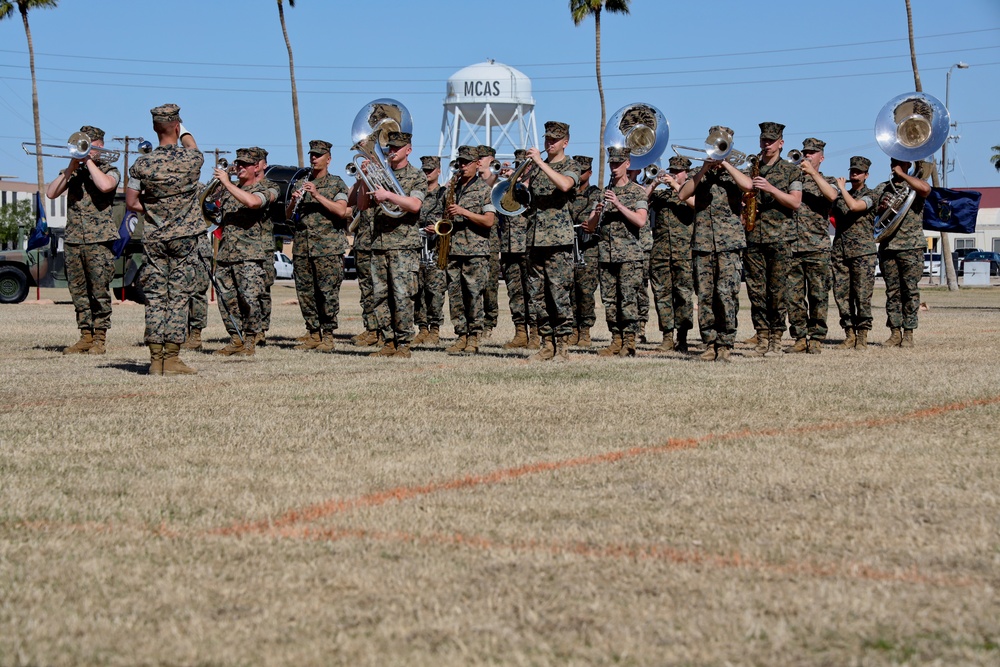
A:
(995, 158)
(6, 10)
(291, 74)
(581, 9)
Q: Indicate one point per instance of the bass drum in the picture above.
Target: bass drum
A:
(287, 179)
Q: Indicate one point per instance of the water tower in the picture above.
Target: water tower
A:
(488, 103)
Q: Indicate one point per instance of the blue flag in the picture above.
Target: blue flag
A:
(125, 233)
(951, 211)
(39, 236)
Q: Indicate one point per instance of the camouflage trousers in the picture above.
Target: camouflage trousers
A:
(620, 286)
(491, 293)
(515, 274)
(265, 296)
(394, 283)
(808, 294)
(585, 281)
(717, 276)
(767, 266)
(89, 270)
(363, 262)
(198, 303)
(240, 288)
(853, 284)
(467, 277)
(432, 284)
(902, 270)
(169, 271)
(550, 279)
(317, 288)
(673, 290)
(642, 295)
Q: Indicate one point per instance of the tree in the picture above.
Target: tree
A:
(581, 9)
(291, 75)
(995, 158)
(6, 10)
(13, 218)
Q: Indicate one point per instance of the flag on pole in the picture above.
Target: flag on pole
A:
(125, 233)
(952, 211)
(39, 236)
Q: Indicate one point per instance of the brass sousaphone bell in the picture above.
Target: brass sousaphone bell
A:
(643, 129)
(369, 137)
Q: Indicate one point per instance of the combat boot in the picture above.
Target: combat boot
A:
(367, 339)
(260, 340)
(906, 342)
(584, 338)
(327, 343)
(472, 344)
(753, 340)
(574, 337)
(100, 336)
(774, 348)
(801, 345)
(534, 339)
(520, 338)
(81, 346)
(235, 345)
(193, 340)
(614, 348)
(668, 342)
(710, 352)
(894, 340)
(562, 348)
(815, 346)
(761, 343)
(421, 336)
(314, 341)
(642, 333)
(155, 358)
(387, 350)
(682, 341)
(402, 352)
(308, 334)
(459, 345)
(546, 351)
(722, 353)
(628, 344)
(433, 335)
(861, 341)
(249, 346)
(850, 339)
(172, 364)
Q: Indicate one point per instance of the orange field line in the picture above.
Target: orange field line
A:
(402, 493)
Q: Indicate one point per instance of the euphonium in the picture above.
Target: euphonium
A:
(370, 134)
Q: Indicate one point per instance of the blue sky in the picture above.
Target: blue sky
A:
(822, 69)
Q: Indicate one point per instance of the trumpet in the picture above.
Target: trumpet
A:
(77, 147)
(794, 156)
(206, 200)
(509, 197)
(370, 136)
(648, 175)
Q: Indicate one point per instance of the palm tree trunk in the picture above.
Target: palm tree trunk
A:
(913, 50)
(34, 100)
(600, 92)
(295, 93)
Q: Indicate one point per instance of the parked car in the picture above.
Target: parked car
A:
(981, 256)
(958, 257)
(282, 265)
(932, 264)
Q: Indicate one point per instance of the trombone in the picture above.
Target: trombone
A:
(718, 146)
(77, 147)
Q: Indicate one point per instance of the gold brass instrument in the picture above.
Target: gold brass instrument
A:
(77, 147)
(370, 135)
(206, 200)
(749, 212)
(445, 225)
(909, 128)
(510, 197)
(640, 127)
(794, 156)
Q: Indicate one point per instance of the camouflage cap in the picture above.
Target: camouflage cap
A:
(95, 133)
(258, 153)
(619, 153)
(166, 113)
(246, 155)
(679, 162)
(320, 147)
(520, 154)
(813, 144)
(399, 139)
(771, 131)
(430, 162)
(721, 128)
(486, 151)
(586, 163)
(467, 153)
(861, 163)
(556, 130)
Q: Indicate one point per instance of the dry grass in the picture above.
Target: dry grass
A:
(301, 508)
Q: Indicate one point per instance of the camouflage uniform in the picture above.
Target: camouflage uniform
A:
(468, 260)
(432, 282)
(853, 260)
(90, 232)
(363, 263)
(585, 278)
(642, 296)
(198, 303)
(670, 261)
(902, 260)
(550, 249)
(267, 242)
(621, 260)
(318, 255)
(491, 293)
(514, 257)
(396, 261)
(240, 264)
(808, 291)
(717, 244)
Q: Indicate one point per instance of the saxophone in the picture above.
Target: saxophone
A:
(749, 214)
(444, 226)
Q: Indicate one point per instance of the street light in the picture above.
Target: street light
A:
(944, 148)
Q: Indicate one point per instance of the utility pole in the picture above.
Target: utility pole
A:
(216, 152)
(127, 141)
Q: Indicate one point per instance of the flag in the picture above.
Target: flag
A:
(125, 233)
(39, 236)
(952, 211)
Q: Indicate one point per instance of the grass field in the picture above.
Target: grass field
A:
(301, 508)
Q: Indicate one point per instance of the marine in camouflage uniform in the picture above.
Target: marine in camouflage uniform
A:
(514, 258)
(164, 188)
(267, 240)
(768, 255)
(585, 275)
(901, 256)
(395, 247)
(318, 210)
(473, 216)
(91, 231)
(550, 241)
(808, 290)
(432, 281)
(363, 263)
(717, 244)
(619, 219)
(491, 292)
(671, 273)
(243, 252)
(853, 256)
(198, 303)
